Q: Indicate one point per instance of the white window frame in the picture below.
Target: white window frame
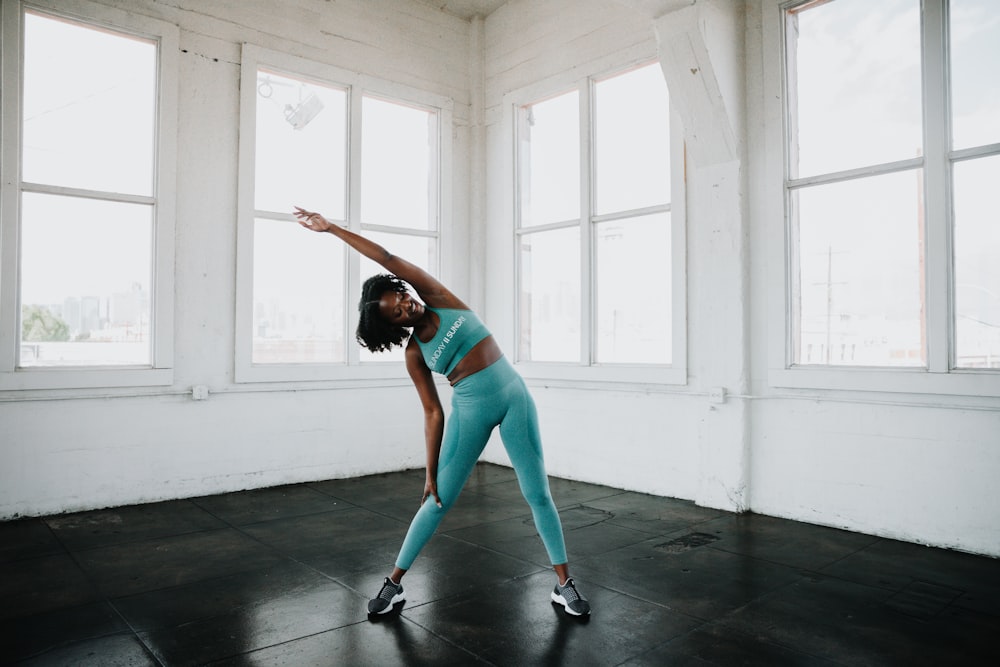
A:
(578, 374)
(938, 377)
(166, 35)
(357, 86)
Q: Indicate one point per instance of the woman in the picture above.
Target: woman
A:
(446, 337)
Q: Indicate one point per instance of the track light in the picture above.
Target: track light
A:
(301, 114)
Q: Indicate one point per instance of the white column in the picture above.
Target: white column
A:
(701, 48)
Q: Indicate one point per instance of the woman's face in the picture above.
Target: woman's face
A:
(400, 309)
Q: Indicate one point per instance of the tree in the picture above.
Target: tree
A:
(39, 324)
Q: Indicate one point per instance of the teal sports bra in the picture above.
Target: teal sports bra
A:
(458, 332)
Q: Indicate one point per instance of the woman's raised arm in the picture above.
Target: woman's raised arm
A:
(428, 288)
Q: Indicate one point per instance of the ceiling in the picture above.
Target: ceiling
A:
(469, 9)
(466, 9)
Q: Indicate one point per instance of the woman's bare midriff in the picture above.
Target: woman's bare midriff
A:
(485, 353)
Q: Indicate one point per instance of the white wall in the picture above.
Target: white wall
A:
(64, 451)
(915, 473)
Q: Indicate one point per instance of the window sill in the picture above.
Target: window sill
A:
(85, 378)
(902, 381)
(654, 378)
(374, 371)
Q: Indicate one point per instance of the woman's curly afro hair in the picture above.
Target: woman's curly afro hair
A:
(373, 331)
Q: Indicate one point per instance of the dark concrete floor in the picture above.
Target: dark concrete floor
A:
(281, 577)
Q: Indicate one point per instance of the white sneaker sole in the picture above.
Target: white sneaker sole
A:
(561, 600)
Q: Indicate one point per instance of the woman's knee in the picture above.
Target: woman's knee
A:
(447, 502)
(540, 498)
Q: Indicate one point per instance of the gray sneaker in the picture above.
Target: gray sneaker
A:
(389, 595)
(570, 599)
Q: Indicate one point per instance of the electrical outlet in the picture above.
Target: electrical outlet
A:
(199, 392)
(717, 395)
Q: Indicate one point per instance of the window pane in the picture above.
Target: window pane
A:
(854, 84)
(550, 296)
(859, 256)
(301, 146)
(632, 141)
(298, 295)
(975, 70)
(86, 270)
(89, 107)
(549, 160)
(417, 249)
(634, 296)
(398, 148)
(977, 272)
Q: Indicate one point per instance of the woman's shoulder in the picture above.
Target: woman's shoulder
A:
(443, 301)
(458, 309)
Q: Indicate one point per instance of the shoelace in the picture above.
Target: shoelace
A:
(388, 590)
(569, 592)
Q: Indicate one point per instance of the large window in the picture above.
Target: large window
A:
(87, 225)
(974, 38)
(892, 160)
(598, 270)
(366, 158)
(300, 158)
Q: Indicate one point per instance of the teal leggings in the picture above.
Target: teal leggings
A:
(493, 396)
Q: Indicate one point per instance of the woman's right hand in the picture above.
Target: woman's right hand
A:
(312, 220)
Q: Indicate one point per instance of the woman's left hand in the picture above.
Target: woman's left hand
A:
(431, 489)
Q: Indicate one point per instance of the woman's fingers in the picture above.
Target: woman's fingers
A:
(303, 214)
(310, 219)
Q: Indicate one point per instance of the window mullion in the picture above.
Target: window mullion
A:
(937, 278)
(789, 33)
(10, 195)
(352, 282)
(588, 272)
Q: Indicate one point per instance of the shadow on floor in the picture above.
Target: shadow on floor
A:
(281, 576)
